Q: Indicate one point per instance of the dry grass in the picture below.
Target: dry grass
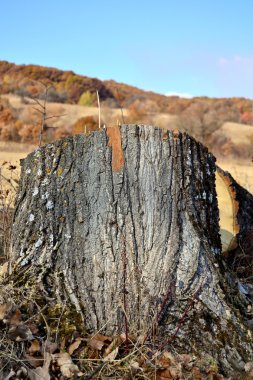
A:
(241, 170)
(12, 153)
(238, 133)
(71, 112)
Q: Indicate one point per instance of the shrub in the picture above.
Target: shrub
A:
(61, 132)
(88, 122)
(55, 96)
(87, 99)
(29, 133)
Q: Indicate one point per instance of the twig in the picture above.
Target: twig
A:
(42, 110)
(36, 109)
(160, 313)
(100, 367)
(36, 314)
(99, 120)
(181, 321)
(58, 324)
(51, 117)
(125, 290)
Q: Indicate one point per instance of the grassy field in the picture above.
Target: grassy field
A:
(237, 133)
(241, 170)
(68, 113)
(12, 153)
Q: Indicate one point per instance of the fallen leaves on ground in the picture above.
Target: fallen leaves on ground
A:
(98, 341)
(98, 356)
(74, 346)
(41, 372)
(67, 367)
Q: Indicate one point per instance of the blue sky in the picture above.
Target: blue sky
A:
(196, 47)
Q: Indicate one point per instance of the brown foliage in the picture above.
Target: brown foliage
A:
(66, 85)
(200, 116)
(60, 133)
(29, 133)
(86, 123)
(142, 109)
(8, 123)
(200, 119)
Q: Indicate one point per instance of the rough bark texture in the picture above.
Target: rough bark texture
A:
(139, 237)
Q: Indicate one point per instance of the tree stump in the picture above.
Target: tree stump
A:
(123, 224)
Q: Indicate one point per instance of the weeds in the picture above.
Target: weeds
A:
(8, 189)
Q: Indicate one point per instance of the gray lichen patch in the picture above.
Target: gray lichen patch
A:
(49, 205)
(31, 218)
(38, 243)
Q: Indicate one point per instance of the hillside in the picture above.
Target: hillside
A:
(223, 125)
(68, 87)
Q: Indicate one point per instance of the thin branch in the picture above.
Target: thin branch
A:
(125, 290)
(99, 120)
(38, 102)
(99, 368)
(58, 324)
(36, 109)
(187, 309)
(51, 117)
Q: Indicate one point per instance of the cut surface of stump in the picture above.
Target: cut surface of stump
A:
(124, 225)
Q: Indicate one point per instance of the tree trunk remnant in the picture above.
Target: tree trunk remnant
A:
(240, 249)
(124, 224)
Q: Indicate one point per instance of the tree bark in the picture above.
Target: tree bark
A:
(124, 225)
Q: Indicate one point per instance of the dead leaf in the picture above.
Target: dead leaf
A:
(4, 310)
(176, 372)
(15, 318)
(74, 345)
(3, 269)
(163, 374)
(67, 367)
(51, 347)
(112, 355)
(98, 341)
(168, 355)
(117, 341)
(41, 372)
(164, 362)
(20, 333)
(197, 374)
(187, 360)
(35, 361)
(134, 364)
(35, 347)
(33, 327)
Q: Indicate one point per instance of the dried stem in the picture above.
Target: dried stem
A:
(124, 260)
(181, 321)
(99, 113)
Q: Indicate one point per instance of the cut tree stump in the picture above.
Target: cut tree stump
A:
(236, 212)
(123, 225)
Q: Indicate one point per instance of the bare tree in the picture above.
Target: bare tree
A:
(40, 106)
